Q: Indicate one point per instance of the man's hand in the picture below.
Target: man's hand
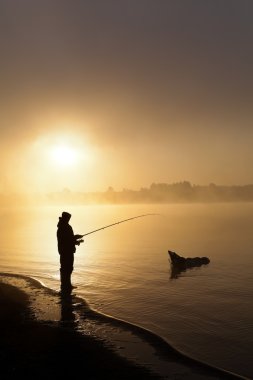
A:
(79, 241)
(77, 237)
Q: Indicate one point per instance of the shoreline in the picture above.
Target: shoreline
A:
(32, 348)
(106, 334)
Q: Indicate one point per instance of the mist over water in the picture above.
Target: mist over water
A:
(124, 270)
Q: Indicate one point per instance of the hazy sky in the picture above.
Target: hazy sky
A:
(125, 93)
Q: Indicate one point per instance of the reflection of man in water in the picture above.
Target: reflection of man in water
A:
(67, 242)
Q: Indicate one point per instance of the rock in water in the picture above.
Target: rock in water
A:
(187, 262)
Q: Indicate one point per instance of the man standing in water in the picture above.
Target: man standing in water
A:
(67, 242)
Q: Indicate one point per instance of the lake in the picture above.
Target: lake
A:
(125, 270)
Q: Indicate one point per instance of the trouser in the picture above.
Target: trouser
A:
(66, 269)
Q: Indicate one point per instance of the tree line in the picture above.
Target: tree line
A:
(160, 193)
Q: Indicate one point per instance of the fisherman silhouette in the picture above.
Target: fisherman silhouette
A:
(67, 242)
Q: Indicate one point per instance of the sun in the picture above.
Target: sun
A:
(58, 160)
(64, 155)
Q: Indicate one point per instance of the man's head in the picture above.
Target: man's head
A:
(65, 216)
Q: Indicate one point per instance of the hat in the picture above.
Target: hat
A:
(66, 215)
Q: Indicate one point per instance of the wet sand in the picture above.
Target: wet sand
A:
(46, 335)
(33, 349)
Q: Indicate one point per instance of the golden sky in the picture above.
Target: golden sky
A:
(125, 93)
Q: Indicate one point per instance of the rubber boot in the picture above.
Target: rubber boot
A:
(65, 283)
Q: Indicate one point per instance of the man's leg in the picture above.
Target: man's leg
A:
(65, 271)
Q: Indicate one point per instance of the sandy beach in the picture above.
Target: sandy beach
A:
(43, 335)
(30, 348)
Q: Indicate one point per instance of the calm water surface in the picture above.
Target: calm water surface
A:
(124, 270)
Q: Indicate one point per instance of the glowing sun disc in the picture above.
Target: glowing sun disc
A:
(64, 155)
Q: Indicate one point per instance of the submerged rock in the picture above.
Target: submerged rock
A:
(187, 262)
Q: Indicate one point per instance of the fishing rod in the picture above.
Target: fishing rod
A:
(113, 224)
